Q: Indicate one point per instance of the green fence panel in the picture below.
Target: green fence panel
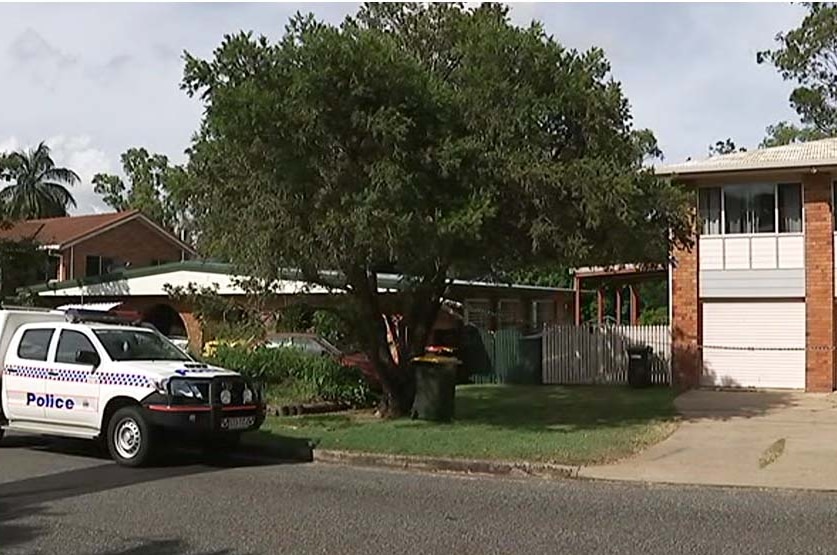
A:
(503, 361)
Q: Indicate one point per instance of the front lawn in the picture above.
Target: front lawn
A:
(572, 425)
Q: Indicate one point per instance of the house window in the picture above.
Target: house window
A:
(833, 204)
(478, 313)
(790, 208)
(750, 209)
(709, 205)
(97, 265)
(509, 314)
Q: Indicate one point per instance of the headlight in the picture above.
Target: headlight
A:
(161, 386)
(226, 397)
(183, 388)
(247, 396)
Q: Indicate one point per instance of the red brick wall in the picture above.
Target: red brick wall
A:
(686, 357)
(819, 282)
(133, 242)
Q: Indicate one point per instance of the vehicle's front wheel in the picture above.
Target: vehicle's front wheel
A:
(129, 438)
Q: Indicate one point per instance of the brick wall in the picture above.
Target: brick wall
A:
(819, 282)
(686, 358)
(133, 242)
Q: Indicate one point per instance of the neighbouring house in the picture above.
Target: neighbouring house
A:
(88, 246)
(752, 303)
(142, 291)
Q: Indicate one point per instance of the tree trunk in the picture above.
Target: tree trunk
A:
(397, 401)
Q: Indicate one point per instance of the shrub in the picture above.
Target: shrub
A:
(291, 369)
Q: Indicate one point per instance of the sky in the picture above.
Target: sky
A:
(93, 80)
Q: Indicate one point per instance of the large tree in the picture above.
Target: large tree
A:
(36, 187)
(807, 55)
(153, 188)
(429, 140)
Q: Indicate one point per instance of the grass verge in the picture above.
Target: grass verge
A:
(570, 425)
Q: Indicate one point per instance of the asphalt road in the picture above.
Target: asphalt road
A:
(59, 497)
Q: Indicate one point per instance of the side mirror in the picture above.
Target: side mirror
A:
(88, 357)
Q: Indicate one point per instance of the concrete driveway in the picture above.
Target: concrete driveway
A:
(767, 439)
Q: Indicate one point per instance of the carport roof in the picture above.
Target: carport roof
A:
(152, 281)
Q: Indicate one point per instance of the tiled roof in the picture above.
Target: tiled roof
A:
(796, 155)
(60, 231)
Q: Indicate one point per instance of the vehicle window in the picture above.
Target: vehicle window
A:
(128, 344)
(34, 344)
(70, 342)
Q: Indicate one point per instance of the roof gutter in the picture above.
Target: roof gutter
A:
(784, 170)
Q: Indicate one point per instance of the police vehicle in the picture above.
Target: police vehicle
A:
(89, 375)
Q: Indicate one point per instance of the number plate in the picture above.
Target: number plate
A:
(238, 422)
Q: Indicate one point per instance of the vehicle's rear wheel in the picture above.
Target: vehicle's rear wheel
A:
(129, 438)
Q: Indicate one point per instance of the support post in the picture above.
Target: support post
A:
(577, 308)
(619, 306)
(634, 304)
(600, 305)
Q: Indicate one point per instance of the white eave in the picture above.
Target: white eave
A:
(810, 155)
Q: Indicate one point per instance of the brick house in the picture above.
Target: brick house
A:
(142, 291)
(752, 303)
(89, 246)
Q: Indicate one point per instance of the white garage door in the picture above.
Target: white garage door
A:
(754, 325)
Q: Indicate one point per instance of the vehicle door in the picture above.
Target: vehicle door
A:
(73, 385)
(25, 374)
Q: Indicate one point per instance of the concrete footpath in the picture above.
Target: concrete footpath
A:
(756, 439)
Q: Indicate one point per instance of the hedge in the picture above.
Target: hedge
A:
(293, 369)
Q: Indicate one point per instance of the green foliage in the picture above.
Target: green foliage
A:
(328, 323)
(22, 263)
(805, 55)
(545, 275)
(294, 318)
(317, 377)
(428, 139)
(654, 316)
(154, 189)
(36, 189)
(784, 133)
(726, 146)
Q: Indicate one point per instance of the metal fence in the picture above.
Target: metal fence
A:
(597, 354)
(503, 356)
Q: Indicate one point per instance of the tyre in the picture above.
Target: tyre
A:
(130, 440)
(2, 431)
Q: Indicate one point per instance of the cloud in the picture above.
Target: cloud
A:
(31, 47)
(109, 74)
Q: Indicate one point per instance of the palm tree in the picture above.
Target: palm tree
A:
(38, 188)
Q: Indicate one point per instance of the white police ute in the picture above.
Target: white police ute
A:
(89, 375)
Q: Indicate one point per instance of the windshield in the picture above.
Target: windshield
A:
(125, 344)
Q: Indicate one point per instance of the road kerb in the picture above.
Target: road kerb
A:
(439, 464)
